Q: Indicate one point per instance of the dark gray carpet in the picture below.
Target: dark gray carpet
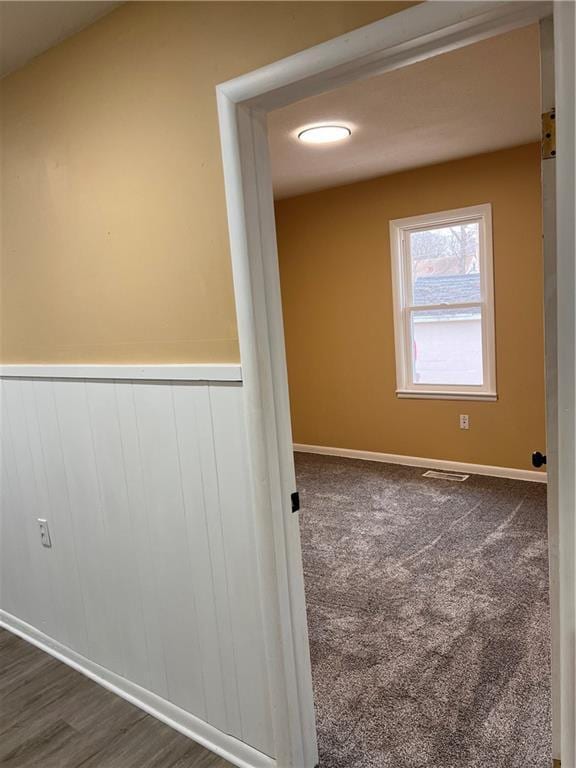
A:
(428, 616)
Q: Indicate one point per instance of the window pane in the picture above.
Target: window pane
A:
(445, 264)
(447, 346)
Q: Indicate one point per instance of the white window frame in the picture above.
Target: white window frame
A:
(403, 306)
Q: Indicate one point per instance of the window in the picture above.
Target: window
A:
(444, 304)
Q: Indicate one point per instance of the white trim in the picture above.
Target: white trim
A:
(511, 473)
(395, 41)
(565, 69)
(425, 221)
(188, 372)
(404, 306)
(231, 749)
(420, 32)
(412, 394)
(548, 173)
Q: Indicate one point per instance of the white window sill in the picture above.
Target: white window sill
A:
(411, 394)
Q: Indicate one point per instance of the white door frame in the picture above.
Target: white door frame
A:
(413, 35)
(548, 169)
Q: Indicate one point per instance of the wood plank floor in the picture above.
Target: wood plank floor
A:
(53, 717)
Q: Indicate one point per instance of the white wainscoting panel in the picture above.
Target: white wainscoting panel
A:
(152, 574)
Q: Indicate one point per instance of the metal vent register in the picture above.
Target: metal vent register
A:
(457, 477)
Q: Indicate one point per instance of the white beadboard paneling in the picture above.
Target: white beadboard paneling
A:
(144, 563)
(59, 618)
(163, 490)
(67, 578)
(219, 567)
(238, 535)
(28, 509)
(121, 543)
(152, 576)
(187, 401)
(14, 591)
(98, 580)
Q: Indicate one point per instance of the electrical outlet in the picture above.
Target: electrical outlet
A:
(464, 421)
(44, 532)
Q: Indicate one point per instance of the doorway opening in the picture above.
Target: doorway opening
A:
(412, 277)
(421, 33)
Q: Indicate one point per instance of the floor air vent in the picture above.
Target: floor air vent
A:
(457, 477)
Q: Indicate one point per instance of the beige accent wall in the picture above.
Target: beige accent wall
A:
(336, 287)
(114, 232)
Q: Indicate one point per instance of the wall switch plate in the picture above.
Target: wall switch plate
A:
(464, 421)
(44, 532)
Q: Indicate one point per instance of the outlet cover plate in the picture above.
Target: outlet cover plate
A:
(44, 532)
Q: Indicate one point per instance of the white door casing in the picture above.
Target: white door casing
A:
(564, 65)
(420, 32)
(548, 97)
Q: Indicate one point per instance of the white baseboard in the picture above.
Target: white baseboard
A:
(230, 748)
(415, 461)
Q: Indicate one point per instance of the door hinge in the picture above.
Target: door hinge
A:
(295, 499)
(549, 134)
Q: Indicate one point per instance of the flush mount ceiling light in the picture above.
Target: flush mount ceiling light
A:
(324, 134)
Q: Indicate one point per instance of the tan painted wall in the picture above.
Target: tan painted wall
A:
(114, 233)
(337, 294)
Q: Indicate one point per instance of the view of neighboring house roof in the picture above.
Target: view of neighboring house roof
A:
(447, 289)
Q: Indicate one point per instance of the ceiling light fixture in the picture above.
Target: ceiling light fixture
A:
(324, 134)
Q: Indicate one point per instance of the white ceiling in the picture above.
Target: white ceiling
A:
(477, 99)
(30, 28)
